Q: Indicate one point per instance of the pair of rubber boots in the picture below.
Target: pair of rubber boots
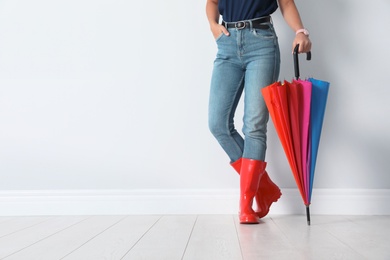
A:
(255, 184)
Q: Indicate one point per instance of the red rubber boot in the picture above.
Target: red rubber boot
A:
(267, 193)
(237, 165)
(250, 175)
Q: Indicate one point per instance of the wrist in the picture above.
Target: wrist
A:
(304, 31)
(213, 25)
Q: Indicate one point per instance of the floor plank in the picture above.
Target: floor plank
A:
(62, 243)
(368, 235)
(315, 242)
(167, 239)
(116, 241)
(264, 241)
(19, 223)
(214, 237)
(194, 237)
(2, 219)
(24, 238)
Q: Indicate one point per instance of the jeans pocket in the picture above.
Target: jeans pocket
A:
(264, 33)
(219, 37)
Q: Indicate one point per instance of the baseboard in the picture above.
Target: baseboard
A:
(124, 202)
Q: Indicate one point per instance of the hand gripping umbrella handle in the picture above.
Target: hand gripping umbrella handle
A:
(296, 61)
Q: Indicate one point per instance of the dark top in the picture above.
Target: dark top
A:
(238, 10)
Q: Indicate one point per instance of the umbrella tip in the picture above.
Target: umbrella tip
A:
(308, 215)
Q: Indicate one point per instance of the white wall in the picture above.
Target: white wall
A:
(102, 95)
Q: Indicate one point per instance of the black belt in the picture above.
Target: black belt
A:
(256, 23)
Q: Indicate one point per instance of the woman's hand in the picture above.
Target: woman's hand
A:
(218, 29)
(303, 41)
(291, 15)
(213, 17)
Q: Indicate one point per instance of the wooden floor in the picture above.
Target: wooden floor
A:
(199, 237)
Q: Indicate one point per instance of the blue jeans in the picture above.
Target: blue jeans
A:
(247, 61)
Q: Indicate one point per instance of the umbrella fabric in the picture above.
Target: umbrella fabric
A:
(289, 107)
(319, 97)
(275, 97)
(297, 110)
(305, 102)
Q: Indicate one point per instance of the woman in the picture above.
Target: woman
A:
(248, 59)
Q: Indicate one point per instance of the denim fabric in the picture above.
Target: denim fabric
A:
(246, 61)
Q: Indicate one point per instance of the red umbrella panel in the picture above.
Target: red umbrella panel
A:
(289, 109)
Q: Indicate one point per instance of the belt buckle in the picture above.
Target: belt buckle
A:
(240, 25)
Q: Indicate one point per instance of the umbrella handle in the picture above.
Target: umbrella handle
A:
(296, 60)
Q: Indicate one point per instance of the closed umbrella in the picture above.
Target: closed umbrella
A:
(297, 111)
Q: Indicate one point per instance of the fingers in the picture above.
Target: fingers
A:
(305, 47)
(304, 43)
(225, 31)
(219, 29)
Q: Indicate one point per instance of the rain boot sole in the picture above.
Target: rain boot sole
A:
(249, 221)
